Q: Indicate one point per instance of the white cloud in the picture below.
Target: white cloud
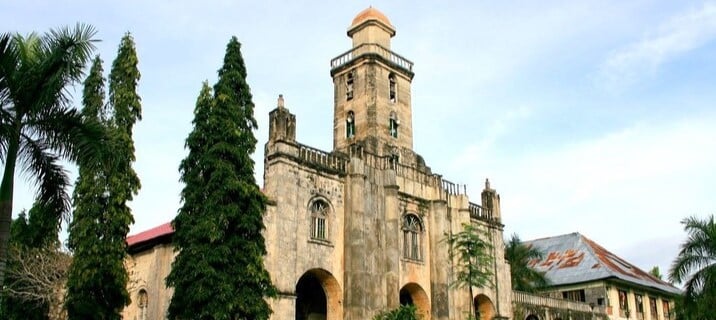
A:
(621, 188)
(476, 154)
(678, 35)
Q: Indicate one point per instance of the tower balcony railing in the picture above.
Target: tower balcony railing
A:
(479, 212)
(454, 188)
(321, 158)
(368, 49)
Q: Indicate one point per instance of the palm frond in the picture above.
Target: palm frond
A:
(6, 59)
(78, 44)
(51, 178)
(519, 256)
(695, 267)
(70, 134)
(61, 57)
(697, 252)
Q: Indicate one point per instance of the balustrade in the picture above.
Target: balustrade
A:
(479, 212)
(321, 158)
(535, 300)
(371, 48)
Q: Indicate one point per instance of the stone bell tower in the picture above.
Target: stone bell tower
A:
(372, 89)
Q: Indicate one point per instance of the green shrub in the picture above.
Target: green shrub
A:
(404, 312)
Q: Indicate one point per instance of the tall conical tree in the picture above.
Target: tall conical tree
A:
(219, 272)
(97, 285)
(89, 199)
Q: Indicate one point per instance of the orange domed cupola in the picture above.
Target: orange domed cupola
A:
(370, 14)
(371, 26)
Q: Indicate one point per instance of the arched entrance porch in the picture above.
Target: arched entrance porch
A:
(413, 294)
(484, 308)
(318, 296)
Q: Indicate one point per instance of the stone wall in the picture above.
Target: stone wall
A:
(147, 271)
(369, 196)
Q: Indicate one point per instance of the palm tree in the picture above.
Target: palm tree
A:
(524, 278)
(695, 267)
(38, 127)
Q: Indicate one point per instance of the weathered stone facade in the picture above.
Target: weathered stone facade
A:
(360, 229)
(360, 255)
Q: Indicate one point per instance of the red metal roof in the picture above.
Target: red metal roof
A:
(153, 233)
(574, 258)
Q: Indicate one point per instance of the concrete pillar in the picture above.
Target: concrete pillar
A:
(392, 240)
(439, 280)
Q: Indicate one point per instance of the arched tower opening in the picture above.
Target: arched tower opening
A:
(484, 308)
(318, 296)
(413, 294)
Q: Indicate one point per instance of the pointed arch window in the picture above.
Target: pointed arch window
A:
(393, 125)
(350, 77)
(392, 88)
(319, 216)
(350, 125)
(412, 234)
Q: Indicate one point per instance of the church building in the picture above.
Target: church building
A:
(359, 229)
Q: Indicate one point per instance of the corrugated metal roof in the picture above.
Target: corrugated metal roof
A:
(150, 234)
(573, 258)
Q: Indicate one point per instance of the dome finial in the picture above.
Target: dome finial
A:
(280, 101)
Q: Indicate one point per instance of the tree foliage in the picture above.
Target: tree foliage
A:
(404, 312)
(656, 273)
(97, 285)
(695, 268)
(35, 281)
(473, 260)
(38, 126)
(218, 272)
(519, 256)
(36, 269)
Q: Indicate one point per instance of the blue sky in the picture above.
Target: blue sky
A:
(588, 116)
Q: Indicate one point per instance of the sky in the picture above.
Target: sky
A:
(596, 117)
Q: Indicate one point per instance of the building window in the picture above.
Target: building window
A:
(393, 125)
(319, 213)
(143, 301)
(574, 295)
(393, 92)
(667, 310)
(349, 84)
(623, 305)
(652, 307)
(350, 125)
(412, 231)
(639, 299)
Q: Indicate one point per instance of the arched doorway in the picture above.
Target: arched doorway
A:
(532, 317)
(413, 294)
(484, 309)
(318, 296)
